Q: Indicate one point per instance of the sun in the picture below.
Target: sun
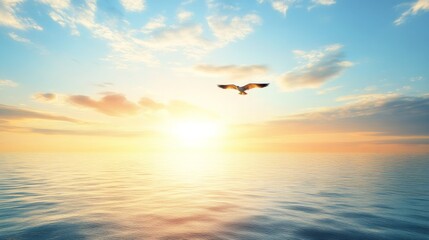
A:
(196, 133)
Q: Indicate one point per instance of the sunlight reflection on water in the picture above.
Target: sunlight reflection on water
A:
(207, 196)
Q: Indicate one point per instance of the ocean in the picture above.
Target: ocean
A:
(214, 196)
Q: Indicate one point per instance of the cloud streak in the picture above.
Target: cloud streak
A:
(324, 2)
(18, 38)
(130, 45)
(229, 29)
(386, 114)
(9, 18)
(415, 8)
(133, 5)
(7, 83)
(154, 24)
(184, 16)
(233, 72)
(44, 97)
(8, 113)
(319, 66)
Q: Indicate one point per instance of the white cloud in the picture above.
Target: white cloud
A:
(154, 23)
(318, 67)
(133, 5)
(7, 83)
(280, 6)
(416, 7)
(124, 45)
(283, 6)
(184, 16)
(227, 29)
(18, 38)
(130, 45)
(9, 17)
(324, 2)
(221, 6)
(188, 39)
(57, 4)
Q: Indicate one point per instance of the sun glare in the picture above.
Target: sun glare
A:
(196, 133)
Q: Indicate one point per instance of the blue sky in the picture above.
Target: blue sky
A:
(319, 56)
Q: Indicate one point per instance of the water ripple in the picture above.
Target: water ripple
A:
(247, 196)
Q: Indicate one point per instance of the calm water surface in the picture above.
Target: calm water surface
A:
(206, 196)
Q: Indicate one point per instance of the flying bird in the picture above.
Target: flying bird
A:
(242, 90)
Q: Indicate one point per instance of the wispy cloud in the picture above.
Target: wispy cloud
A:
(133, 5)
(315, 3)
(408, 141)
(416, 78)
(182, 109)
(388, 114)
(367, 119)
(328, 90)
(130, 45)
(221, 5)
(44, 97)
(188, 39)
(18, 38)
(154, 24)
(175, 108)
(228, 29)
(416, 7)
(281, 6)
(184, 16)
(150, 104)
(99, 133)
(319, 66)
(324, 2)
(233, 72)
(122, 42)
(76, 132)
(14, 113)
(57, 4)
(9, 16)
(104, 84)
(7, 83)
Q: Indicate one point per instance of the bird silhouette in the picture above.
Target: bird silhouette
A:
(242, 90)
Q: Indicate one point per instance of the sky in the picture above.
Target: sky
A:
(142, 75)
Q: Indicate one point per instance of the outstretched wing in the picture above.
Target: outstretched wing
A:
(255, 85)
(228, 86)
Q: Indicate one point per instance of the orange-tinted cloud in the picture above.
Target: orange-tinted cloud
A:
(150, 104)
(45, 97)
(112, 104)
(115, 104)
(14, 113)
(383, 114)
(233, 72)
